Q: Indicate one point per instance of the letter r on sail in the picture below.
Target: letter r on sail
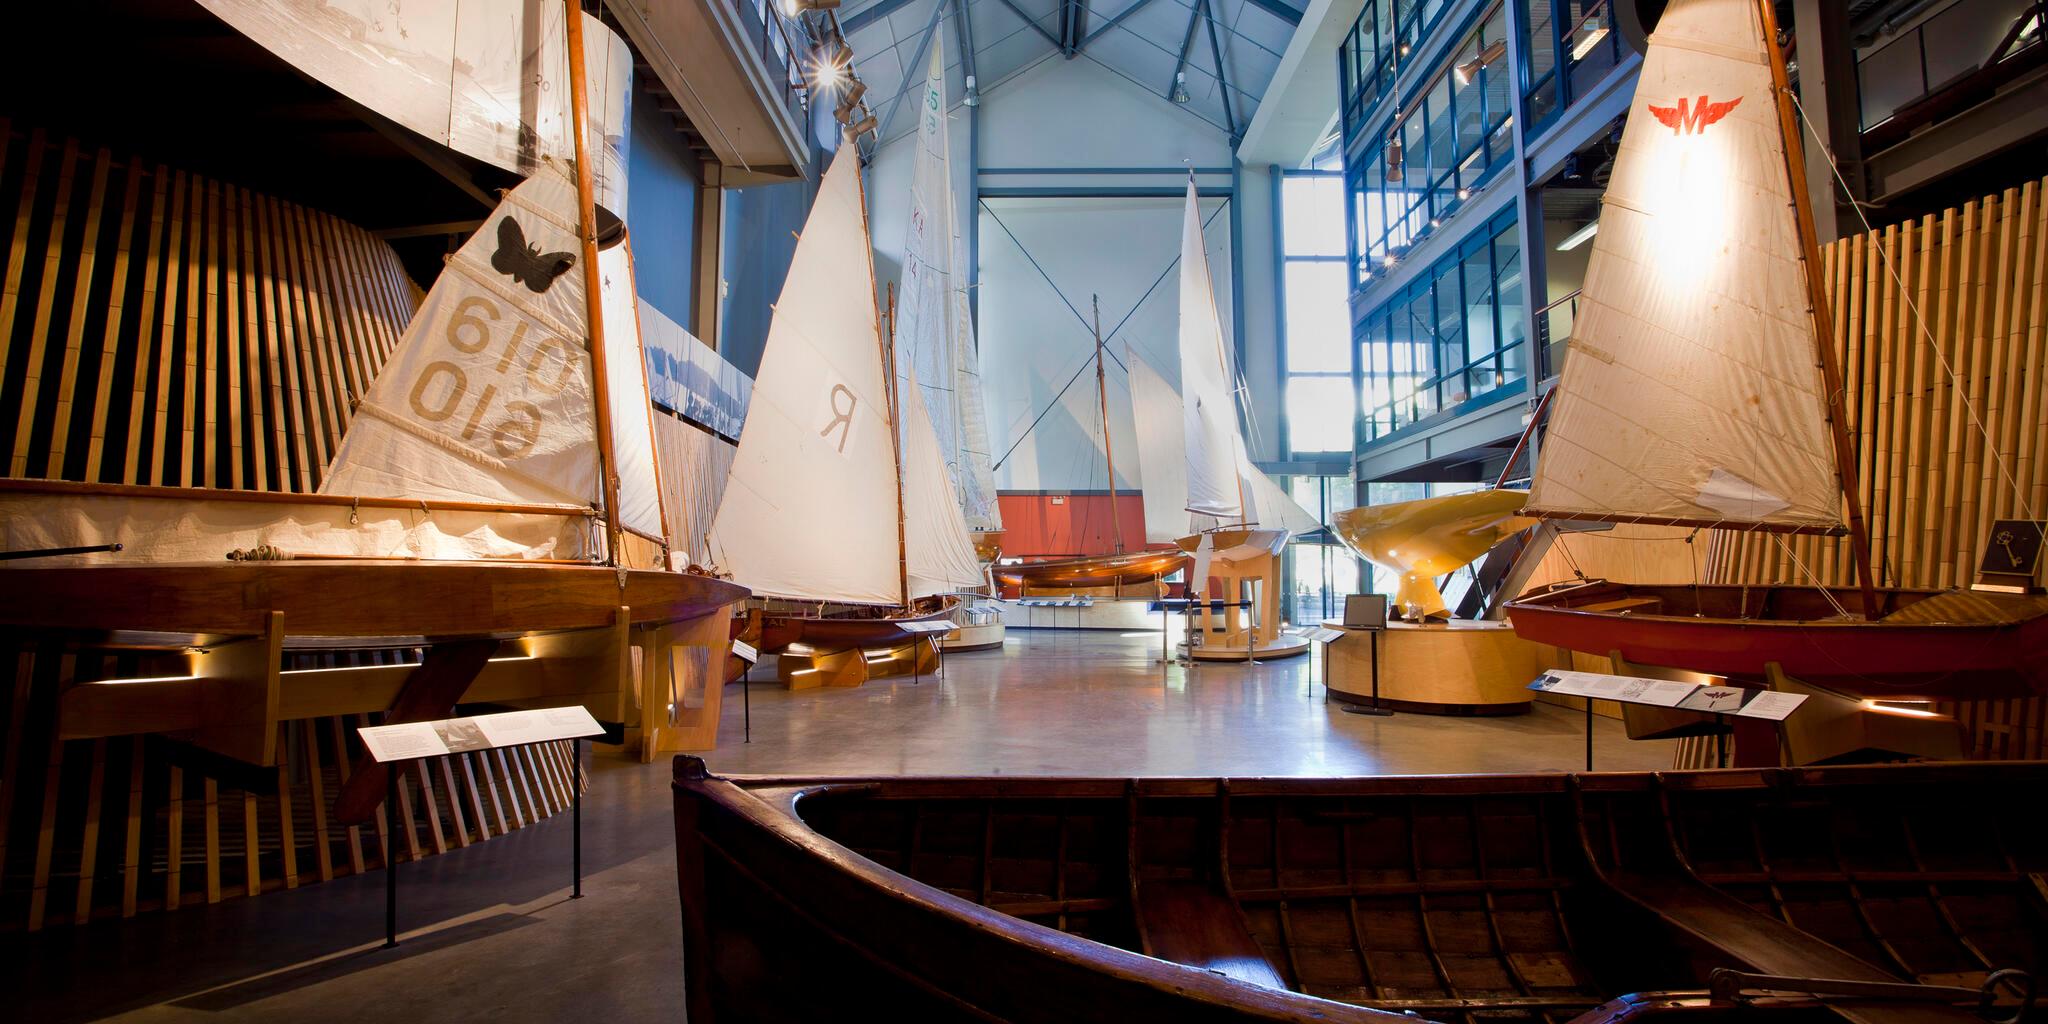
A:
(842, 417)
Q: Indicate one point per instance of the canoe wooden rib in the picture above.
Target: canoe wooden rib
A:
(1092, 570)
(1539, 898)
(1929, 645)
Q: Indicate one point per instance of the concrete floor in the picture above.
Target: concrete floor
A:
(492, 935)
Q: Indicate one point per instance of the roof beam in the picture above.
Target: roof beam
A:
(1187, 43)
(913, 73)
(869, 15)
(1280, 9)
(1222, 73)
(1111, 23)
(1033, 22)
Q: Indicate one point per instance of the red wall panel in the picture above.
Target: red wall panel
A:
(1070, 524)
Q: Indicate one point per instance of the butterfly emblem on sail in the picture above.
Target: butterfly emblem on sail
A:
(1694, 119)
(526, 263)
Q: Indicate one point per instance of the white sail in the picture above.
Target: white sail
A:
(810, 511)
(1162, 452)
(1273, 507)
(934, 323)
(939, 556)
(1691, 394)
(488, 397)
(626, 378)
(1163, 468)
(1208, 417)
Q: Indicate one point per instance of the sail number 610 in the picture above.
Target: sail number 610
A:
(548, 366)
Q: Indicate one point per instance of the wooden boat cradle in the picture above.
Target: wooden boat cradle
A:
(1460, 899)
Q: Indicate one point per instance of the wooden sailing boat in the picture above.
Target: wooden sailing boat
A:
(839, 511)
(1524, 899)
(1196, 474)
(1702, 391)
(484, 493)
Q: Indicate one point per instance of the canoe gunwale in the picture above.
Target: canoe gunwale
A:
(778, 818)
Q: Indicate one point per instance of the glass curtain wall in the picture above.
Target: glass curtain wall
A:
(1316, 314)
(1318, 575)
(1454, 334)
(1572, 45)
(1440, 147)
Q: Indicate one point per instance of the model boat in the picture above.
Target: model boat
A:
(498, 482)
(1091, 570)
(1702, 390)
(1521, 898)
(840, 512)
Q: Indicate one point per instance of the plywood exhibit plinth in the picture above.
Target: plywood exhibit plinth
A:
(1124, 616)
(1455, 668)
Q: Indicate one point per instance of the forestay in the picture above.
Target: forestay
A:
(1692, 394)
(810, 509)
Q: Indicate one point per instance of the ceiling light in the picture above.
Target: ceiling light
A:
(792, 8)
(1395, 160)
(1466, 70)
(866, 125)
(1180, 87)
(1578, 238)
(827, 75)
(849, 100)
(1464, 193)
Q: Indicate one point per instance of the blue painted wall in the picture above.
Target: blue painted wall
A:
(661, 213)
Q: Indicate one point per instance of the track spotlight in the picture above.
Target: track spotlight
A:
(1180, 87)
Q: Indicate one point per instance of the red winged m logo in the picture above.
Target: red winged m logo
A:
(1682, 119)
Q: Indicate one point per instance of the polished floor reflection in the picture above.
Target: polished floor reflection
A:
(492, 935)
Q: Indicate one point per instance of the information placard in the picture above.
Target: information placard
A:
(1324, 636)
(409, 740)
(1772, 704)
(1628, 689)
(747, 652)
(934, 626)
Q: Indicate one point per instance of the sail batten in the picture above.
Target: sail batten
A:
(1692, 394)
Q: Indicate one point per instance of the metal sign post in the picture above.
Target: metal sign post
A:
(748, 655)
(415, 741)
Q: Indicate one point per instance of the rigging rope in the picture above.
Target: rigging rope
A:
(1811, 575)
(1955, 379)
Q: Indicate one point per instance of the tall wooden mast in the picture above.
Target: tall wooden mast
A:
(888, 345)
(593, 285)
(1108, 456)
(1823, 317)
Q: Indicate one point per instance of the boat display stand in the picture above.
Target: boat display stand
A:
(1829, 729)
(984, 637)
(1072, 611)
(1245, 625)
(801, 668)
(1461, 667)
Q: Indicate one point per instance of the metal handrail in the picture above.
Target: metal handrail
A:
(1457, 371)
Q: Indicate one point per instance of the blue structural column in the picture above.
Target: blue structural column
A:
(963, 35)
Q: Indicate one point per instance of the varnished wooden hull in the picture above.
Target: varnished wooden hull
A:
(1540, 899)
(1735, 631)
(1093, 570)
(353, 599)
(848, 631)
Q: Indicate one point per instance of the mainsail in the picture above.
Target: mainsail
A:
(488, 398)
(1209, 418)
(934, 324)
(1692, 395)
(1164, 467)
(810, 511)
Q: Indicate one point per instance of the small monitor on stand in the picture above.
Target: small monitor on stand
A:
(1365, 611)
(1368, 612)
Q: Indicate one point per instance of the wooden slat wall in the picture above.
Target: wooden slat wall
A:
(694, 464)
(159, 327)
(114, 827)
(1942, 332)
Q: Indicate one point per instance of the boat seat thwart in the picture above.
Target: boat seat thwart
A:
(1191, 923)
